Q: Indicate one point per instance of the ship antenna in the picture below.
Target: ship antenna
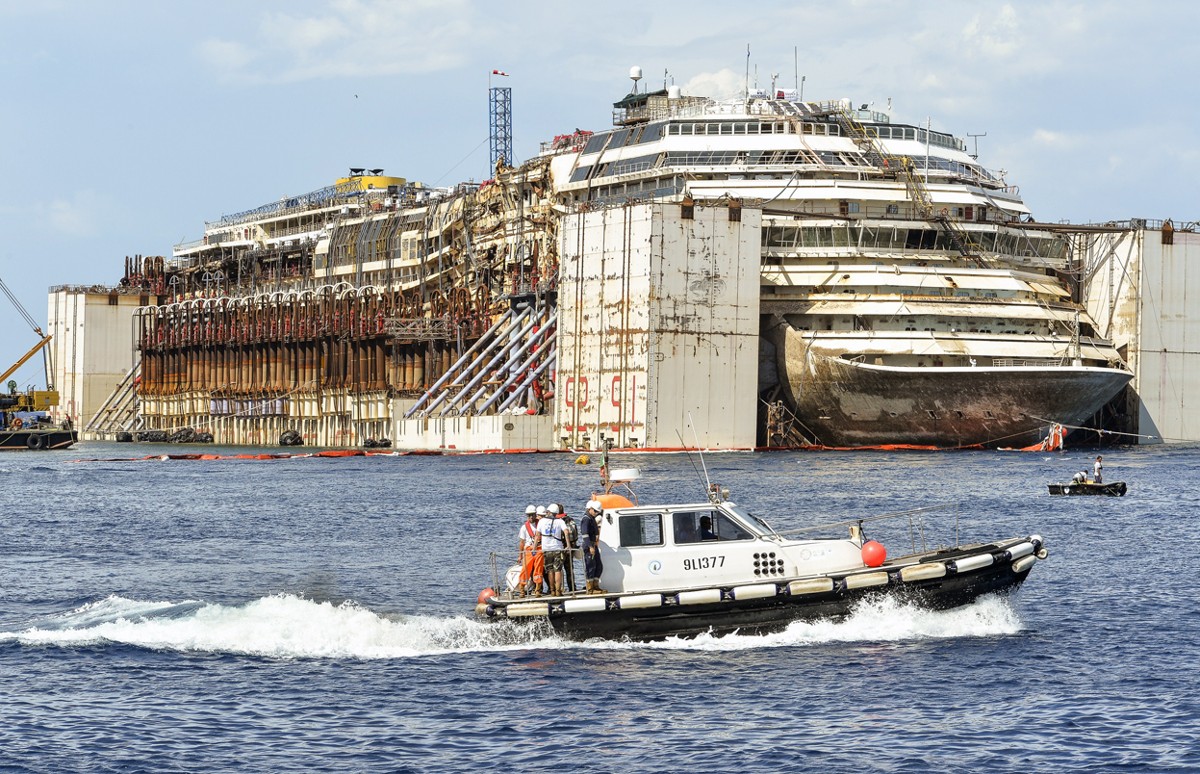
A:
(747, 89)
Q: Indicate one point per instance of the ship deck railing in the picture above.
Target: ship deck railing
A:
(1011, 362)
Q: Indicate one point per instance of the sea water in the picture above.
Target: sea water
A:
(316, 614)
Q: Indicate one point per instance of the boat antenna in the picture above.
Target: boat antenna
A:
(704, 478)
(700, 451)
(711, 490)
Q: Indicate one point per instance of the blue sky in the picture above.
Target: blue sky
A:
(128, 123)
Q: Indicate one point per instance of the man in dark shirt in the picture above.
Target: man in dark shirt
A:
(589, 541)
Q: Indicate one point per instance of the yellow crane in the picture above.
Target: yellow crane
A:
(35, 400)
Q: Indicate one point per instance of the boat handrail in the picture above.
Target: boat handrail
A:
(499, 579)
(956, 506)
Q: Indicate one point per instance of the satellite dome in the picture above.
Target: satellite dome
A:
(674, 92)
(635, 73)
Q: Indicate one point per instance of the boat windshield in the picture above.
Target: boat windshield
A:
(758, 521)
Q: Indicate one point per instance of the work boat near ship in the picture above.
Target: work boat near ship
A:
(684, 570)
(906, 295)
(25, 420)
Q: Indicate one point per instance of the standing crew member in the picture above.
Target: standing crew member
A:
(589, 540)
(571, 539)
(539, 556)
(527, 539)
(553, 537)
(1097, 468)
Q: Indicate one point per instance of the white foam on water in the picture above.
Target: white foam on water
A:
(283, 626)
(885, 619)
(287, 626)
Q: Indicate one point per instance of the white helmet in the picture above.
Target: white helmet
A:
(554, 508)
(530, 510)
(541, 510)
(594, 505)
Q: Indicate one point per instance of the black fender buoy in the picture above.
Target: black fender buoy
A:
(35, 441)
(182, 435)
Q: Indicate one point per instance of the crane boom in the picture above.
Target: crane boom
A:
(32, 351)
(32, 323)
(45, 339)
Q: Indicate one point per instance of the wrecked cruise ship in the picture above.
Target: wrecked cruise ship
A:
(766, 270)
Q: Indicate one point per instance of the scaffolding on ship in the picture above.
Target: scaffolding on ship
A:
(273, 341)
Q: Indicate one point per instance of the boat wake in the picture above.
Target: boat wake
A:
(281, 626)
(884, 619)
(288, 626)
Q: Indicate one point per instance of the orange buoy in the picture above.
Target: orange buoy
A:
(485, 596)
(873, 553)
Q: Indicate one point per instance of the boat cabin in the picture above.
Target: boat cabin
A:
(650, 548)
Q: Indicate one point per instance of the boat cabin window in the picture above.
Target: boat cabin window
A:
(698, 526)
(641, 529)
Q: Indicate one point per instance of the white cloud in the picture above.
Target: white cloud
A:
(998, 37)
(723, 84)
(80, 215)
(225, 56)
(352, 38)
(1052, 139)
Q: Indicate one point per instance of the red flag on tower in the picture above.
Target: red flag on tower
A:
(498, 72)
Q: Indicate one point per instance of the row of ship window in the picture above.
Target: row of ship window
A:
(752, 158)
(899, 238)
(652, 132)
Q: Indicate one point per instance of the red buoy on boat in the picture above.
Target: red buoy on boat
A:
(873, 553)
(485, 595)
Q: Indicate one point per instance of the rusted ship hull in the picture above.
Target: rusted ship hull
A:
(845, 403)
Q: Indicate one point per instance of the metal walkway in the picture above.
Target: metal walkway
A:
(503, 368)
(119, 412)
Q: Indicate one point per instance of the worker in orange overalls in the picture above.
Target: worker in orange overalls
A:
(532, 561)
